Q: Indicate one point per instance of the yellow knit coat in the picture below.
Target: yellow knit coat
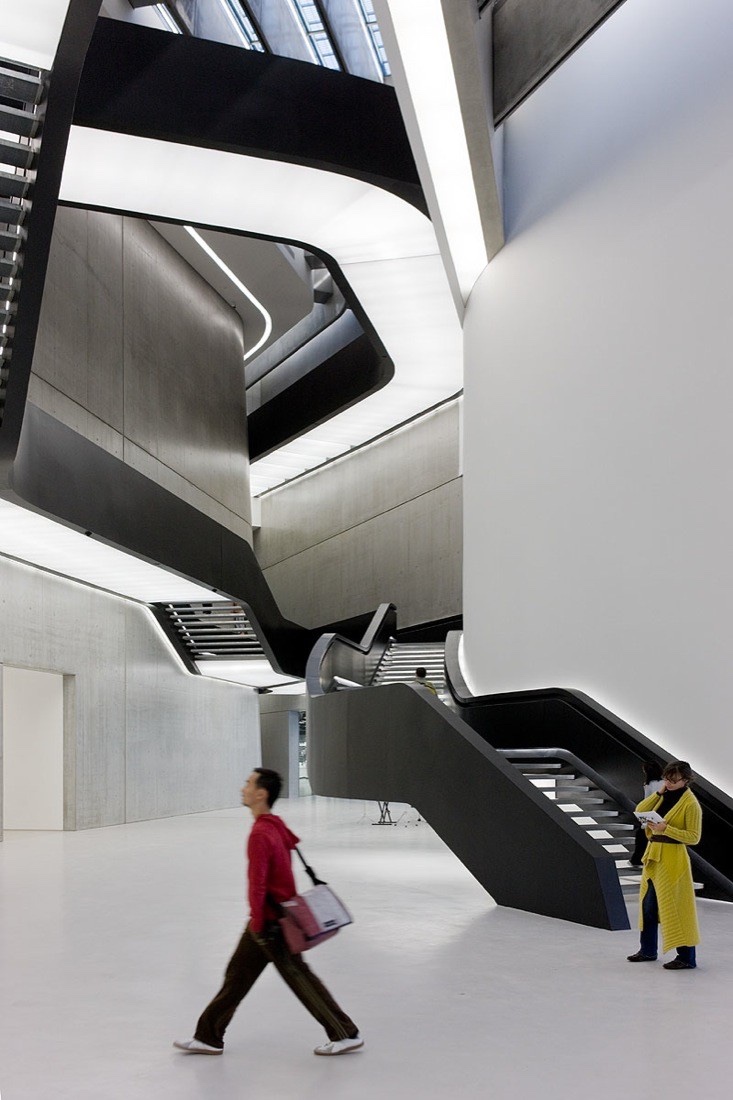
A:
(668, 867)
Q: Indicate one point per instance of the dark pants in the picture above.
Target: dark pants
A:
(640, 843)
(252, 955)
(650, 915)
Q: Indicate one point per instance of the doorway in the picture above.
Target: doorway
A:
(32, 749)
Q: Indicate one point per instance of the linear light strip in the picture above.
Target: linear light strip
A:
(240, 287)
(167, 19)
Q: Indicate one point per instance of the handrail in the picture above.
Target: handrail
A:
(618, 796)
(570, 758)
(505, 720)
(335, 657)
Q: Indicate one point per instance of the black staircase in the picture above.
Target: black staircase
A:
(400, 660)
(216, 630)
(22, 107)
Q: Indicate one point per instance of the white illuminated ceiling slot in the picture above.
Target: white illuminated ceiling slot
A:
(30, 30)
(424, 74)
(39, 541)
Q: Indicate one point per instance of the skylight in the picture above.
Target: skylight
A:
(316, 33)
(370, 18)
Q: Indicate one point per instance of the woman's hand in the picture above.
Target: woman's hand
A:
(658, 826)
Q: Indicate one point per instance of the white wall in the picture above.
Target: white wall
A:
(32, 749)
(598, 450)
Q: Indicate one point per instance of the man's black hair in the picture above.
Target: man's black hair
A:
(272, 782)
(421, 672)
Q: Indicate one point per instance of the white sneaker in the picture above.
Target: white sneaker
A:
(340, 1046)
(194, 1046)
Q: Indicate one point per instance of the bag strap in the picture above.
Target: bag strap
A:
(309, 870)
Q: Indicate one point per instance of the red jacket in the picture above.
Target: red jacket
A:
(270, 871)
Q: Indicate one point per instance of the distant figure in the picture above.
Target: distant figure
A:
(667, 895)
(420, 674)
(270, 882)
(652, 779)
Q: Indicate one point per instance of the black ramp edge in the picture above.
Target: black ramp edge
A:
(334, 385)
(576, 722)
(62, 89)
(63, 475)
(137, 80)
(397, 743)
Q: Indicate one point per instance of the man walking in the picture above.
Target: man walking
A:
(271, 882)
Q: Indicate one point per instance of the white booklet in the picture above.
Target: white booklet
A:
(648, 816)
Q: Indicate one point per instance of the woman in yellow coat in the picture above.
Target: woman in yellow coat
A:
(667, 896)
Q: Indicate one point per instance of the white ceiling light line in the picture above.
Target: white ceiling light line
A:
(240, 287)
(423, 69)
(167, 19)
(46, 544)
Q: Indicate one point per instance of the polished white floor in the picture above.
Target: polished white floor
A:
(112, 940)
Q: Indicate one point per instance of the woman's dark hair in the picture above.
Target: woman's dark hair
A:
(651, 771)
(272, 783)
(680, 768)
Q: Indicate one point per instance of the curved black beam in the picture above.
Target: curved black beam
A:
(274, 108)
(62, 89)
(342, 379)
(187, 90)
(559, 716)
(399, 743)
(201, 93)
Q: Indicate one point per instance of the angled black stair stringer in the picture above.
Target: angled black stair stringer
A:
(398, 743)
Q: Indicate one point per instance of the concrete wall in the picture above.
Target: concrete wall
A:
(143, 738)
(597, 444)
(136, 352)
(280, 734)
(381, 524)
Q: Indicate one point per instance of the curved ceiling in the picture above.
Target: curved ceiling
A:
(384, 245)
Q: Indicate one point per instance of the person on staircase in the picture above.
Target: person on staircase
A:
(667, 894)
(420, 674)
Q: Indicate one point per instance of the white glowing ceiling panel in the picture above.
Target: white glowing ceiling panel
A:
(30, 30)
(39, 541)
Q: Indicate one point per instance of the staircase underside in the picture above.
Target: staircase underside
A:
(394, 743)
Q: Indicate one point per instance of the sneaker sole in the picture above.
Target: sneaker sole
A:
(188, 1050)
(336, 1053)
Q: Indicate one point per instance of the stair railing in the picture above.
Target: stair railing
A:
(336, 662)
(705, 869)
